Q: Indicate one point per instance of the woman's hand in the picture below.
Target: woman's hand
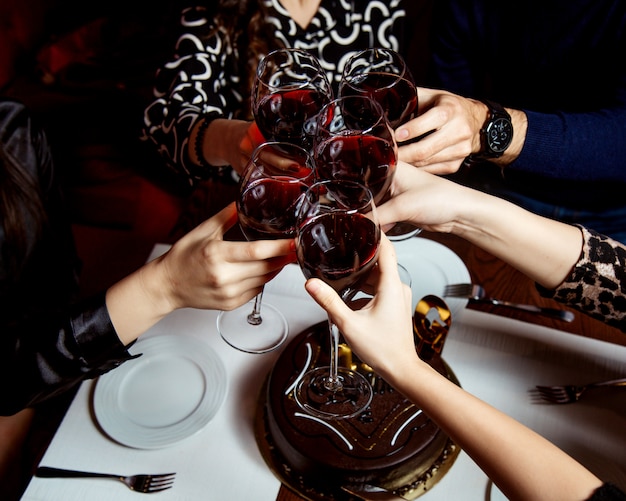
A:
(543, 249)
(204, 271)
(381, 332)
(426, 200)
(201, 270)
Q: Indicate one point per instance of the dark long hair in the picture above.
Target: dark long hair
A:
(22, 211)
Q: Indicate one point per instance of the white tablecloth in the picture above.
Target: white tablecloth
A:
(496, 358)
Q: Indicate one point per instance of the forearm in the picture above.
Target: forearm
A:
(543, 249)
(523, 464)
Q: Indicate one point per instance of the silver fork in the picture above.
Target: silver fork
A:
(139, 483)
(477, 294)
(565, 394)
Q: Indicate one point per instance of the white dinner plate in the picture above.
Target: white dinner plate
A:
(432, 266)
(169, 393)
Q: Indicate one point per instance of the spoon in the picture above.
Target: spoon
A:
(431, 323)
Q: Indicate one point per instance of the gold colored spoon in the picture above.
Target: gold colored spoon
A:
(431, 323)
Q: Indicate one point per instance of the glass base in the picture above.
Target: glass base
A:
(235, 329)
(402, 231)
(351, 399)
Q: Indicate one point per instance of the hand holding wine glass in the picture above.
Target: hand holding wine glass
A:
(290, 88)
(337, 241)
(270, 190)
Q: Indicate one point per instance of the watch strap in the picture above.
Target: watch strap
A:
(496, 112)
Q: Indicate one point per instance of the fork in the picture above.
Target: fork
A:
(477, 294)
(139, 483)
(565, 394)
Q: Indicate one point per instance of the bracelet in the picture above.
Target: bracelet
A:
(199, 142)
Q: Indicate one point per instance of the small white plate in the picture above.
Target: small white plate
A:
(169, 393)
(432, 266)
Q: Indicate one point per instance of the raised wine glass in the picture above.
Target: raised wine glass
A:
(355, 142)
(337, 240)
(270, 190)
(383, 75)
(290, 88)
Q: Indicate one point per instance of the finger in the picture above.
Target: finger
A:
(423, 126)
(220, 223)
(426, 95)
(387, 264)
(327, 298)
(389, 282)
(255, 135)
(264, 250)
(293, 161)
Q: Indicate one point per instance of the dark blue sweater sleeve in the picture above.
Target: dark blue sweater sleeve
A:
(581, 146)
(567, 75)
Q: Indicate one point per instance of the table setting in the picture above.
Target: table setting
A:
(197, 414)
(497, 358)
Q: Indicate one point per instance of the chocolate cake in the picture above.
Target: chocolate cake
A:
(393, 444)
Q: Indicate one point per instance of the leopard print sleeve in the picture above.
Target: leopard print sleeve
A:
(597, 283)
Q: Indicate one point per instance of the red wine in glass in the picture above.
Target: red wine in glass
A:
(337, 240)
(267, 208)
(289, 115)
(361, 158)
(274, 182)
(354, 141)
(290, 88)
(345, 264)
(382, 74)
(396, 95)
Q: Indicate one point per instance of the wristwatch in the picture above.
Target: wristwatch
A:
(495, 136)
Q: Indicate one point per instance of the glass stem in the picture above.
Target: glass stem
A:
(333, 383)
(254, 318)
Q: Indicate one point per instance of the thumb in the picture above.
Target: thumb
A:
(327, 298)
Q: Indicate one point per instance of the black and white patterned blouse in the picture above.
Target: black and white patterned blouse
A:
(199, 81)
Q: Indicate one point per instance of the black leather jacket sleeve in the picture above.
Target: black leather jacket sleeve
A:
(608, 492)
(58, 354)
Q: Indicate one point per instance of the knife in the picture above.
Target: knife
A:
(566, 316)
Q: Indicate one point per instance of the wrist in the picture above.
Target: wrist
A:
(137, 302)
(476, 209)
(495, 134)
(200, 146)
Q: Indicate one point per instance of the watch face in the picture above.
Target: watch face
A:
(499, 135)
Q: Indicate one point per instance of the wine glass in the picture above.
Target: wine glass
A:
(337, 240)
(290, 88)
(355, 142)
(275, 179)
(383, 75)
